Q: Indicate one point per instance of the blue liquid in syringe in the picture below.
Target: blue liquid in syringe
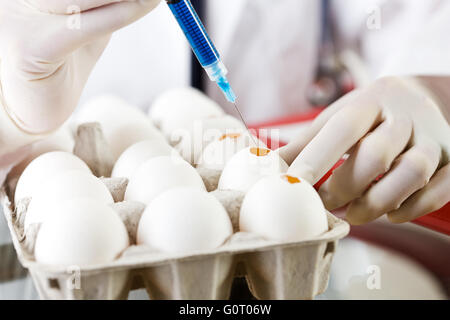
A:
(201, 44)
(195, 31)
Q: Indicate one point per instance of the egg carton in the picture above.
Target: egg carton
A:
(273, 269)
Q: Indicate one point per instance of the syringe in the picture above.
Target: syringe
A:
(204, 49)
(201, 44)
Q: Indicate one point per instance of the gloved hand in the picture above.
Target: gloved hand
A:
(48, 48)
(396, 128)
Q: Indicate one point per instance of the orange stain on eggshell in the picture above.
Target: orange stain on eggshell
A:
(260, 152)
(291, 179)
(230, 136)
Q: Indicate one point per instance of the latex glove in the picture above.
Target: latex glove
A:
(48, 48)
(7, 162)
(395, 128)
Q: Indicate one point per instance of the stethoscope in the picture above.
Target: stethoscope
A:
(332, 80)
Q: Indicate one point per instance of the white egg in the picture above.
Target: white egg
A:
(184, 220)
(217, 154)
(123, 124)
(160, 174)
(64, 186)
(178, 108)
(202, 132)
(247, 166)
(283, 208)
(138, 153)
(81, 232)
(60, 140)
(44, 168)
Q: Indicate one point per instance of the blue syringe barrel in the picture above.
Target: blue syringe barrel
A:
(201, 44)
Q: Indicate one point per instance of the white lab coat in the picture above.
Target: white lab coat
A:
(270, 48)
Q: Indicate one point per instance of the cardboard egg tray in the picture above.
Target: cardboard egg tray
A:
(273, 269)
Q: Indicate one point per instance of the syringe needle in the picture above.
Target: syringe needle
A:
(245, 124)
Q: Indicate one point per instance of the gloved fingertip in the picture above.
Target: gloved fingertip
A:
(352, 221)
(356, 214)
(346, 220)
(330, 199)
(327, 198)
(397, 217)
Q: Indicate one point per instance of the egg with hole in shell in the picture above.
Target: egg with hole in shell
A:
(179, 107)
(184, 220)
(81, 232)
(247, 166)
(201, 133)
(132, 158)
(217, 153)
(160, 174)
(122, 124)
(284, 208)
(65, 186)
(44, 168)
